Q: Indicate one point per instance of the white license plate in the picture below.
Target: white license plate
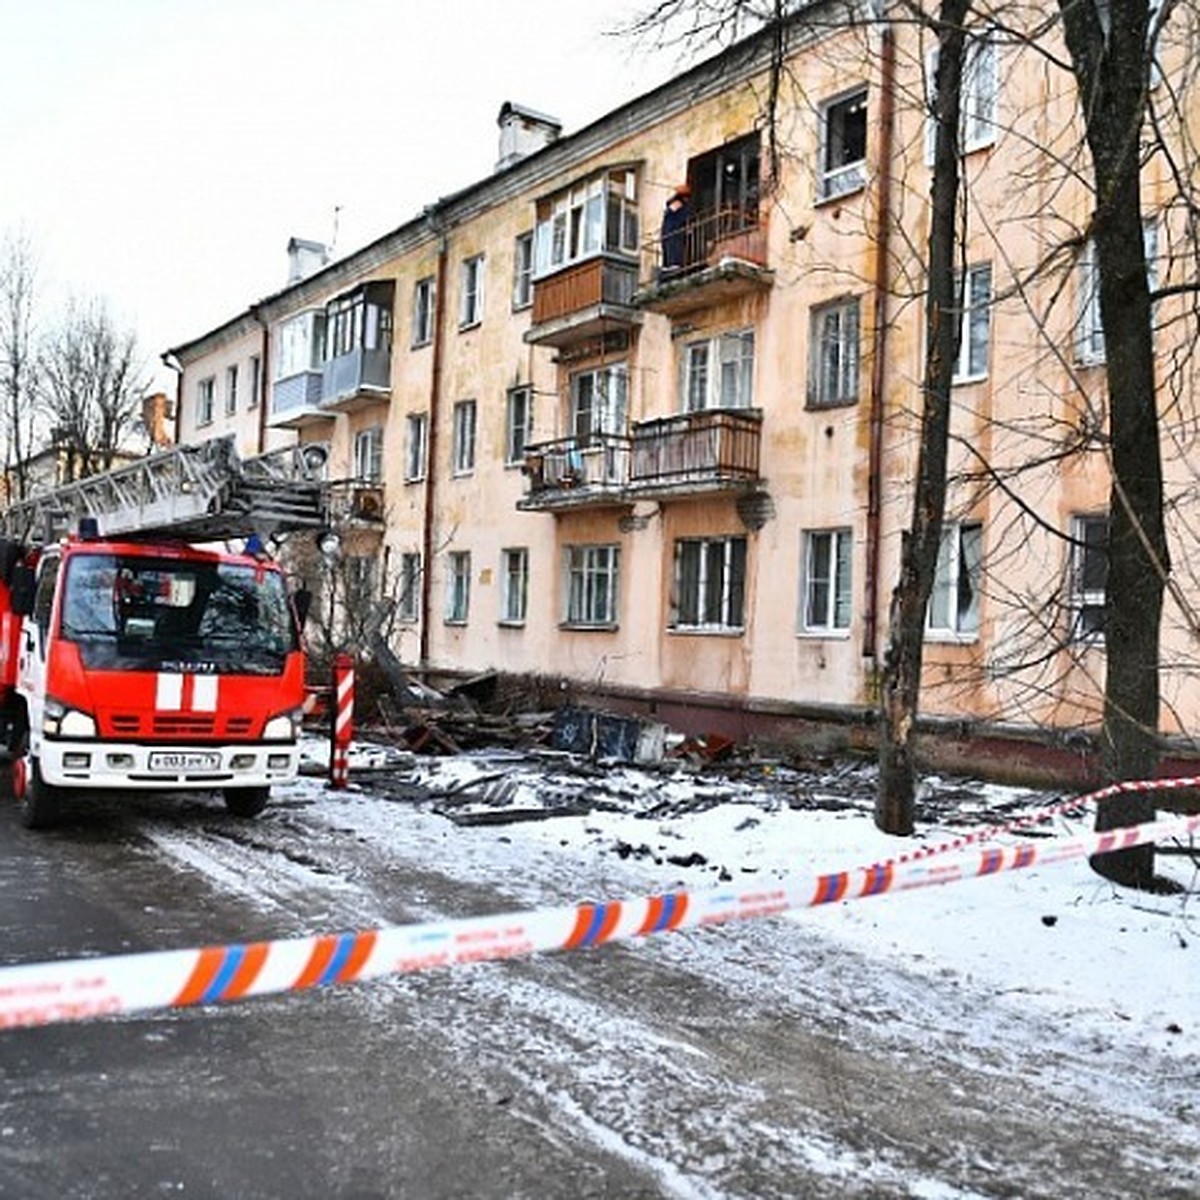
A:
(174, 761)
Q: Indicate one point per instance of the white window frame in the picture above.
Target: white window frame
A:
(514, 582)
(825, 589)
(518, 423)
(591, 586)
(834, 353)
(979, 101)
(299, 341)
(598, 214)
(255, 381)
(424, 310)
(522, 294)
(463, 450)
(731, 384)
(961, 549)
(458, 587)
(416, 446)
(1089, 330)
(368, 454)
(839, 178)
(712, 571)
(1089, 537)
(608, 400)
(205, 399)
(408, 602)
(470, 296)
(975, 325)
(231, 389)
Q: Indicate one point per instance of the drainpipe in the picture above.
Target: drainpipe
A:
(173, 364)
(264, 362)
(887, 107)
(435, 387)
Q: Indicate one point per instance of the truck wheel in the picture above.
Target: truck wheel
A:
(247, 802)
(39, 801)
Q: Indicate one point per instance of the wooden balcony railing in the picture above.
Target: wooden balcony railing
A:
(704, 448)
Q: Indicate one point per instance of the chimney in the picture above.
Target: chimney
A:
(523, 132)
(305, 259)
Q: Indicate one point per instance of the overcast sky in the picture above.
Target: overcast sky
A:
(160, 153)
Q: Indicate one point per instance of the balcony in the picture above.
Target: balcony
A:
(589, 472)
(296, 401)
(356, 380)
(584, 301)
(714, 257)
(710, 451)
(356, 503)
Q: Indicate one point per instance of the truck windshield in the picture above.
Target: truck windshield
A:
(133, 612)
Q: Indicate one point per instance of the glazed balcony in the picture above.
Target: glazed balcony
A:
(714, 257)
(576, 473)
(296, 401)
(357, 379)
(691, 453)
(584, 300)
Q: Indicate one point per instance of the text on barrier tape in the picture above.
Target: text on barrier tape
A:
(79, 989)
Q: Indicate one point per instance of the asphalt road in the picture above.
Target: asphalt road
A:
(684, 1066)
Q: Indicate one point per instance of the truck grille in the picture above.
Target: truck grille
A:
(178, 725)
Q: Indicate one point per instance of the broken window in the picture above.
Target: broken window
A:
(954, 602)
(843, 144)
(1089, 576)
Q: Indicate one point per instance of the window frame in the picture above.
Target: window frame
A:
(732, 352)
(424, 311)
(368, 454)
(1083, 629)
(973, 311)
(514, 585)
(471, 292)
(522, 290)
(850, 176)
(255, 381)
(961, 624)
(416, 447)
(848, 347)
(598, 214)
(1090, 350)
(609, 416)
(716, 599)
(408, 599)
(837, 582)
(458, 587)
(205, 400)
(517, 433)
(464, 430)
(585, 605)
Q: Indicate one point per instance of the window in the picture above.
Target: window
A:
(833, 354)
(719, 372)
(255, 381)
(977, 105)
(359, 320)
(976, 324)
(597, 214)
(300, 340)
(424, 306)
(592, 580)
(368, 454)
(710, 583)
(408, 606)
(1089, 576)
(599, 401)
(726, 182)
(518, 423)
(414, 446)
(954, 601)
(458, 586)
(515, 581)
(826, 588)
(231, 390)
(522, 296)
(470, 298)
(361, 581)
(843, 144)
(1089, 332)
(204, 400)
(464, 437)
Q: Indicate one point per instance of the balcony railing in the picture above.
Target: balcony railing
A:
(583, 300)
(296, 401)
(574, 472)
(356, 378)
(696, 451)
(355, 501)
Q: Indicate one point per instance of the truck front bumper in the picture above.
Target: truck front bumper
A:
(79, 764)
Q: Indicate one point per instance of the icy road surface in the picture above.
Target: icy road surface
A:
(1033, 1035)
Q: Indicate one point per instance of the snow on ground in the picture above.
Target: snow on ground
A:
(1059, 938)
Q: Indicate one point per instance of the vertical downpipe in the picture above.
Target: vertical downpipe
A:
(264, 362)
(435, 387)
(887, 107)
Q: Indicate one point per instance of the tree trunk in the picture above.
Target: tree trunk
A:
(1110, 57)
(895, 804)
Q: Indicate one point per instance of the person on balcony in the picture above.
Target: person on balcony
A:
(674, 223)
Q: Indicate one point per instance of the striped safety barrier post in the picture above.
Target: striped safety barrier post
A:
(79, 989)
(343, 720)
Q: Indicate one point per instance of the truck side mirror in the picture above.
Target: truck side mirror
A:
(22, 589)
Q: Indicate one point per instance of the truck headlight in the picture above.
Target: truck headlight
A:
(284, 727)
(59, 720)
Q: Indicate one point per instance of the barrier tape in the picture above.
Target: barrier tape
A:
(80, 989)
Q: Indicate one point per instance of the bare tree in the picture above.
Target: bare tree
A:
(18, 333)
(91, 387)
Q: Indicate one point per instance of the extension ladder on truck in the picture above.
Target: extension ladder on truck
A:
(196, 493)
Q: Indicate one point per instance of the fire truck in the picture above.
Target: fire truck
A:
(147, 640)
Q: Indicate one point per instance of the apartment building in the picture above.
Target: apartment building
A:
(639, 409)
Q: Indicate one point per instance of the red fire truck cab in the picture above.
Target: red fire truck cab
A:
(132, 666)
